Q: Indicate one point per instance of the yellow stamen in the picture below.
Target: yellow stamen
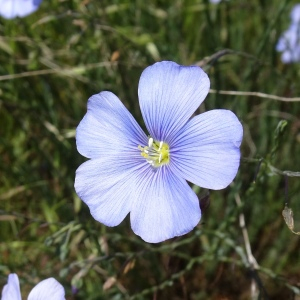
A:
(156, 153)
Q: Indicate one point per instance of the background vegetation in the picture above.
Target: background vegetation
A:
(52, 61)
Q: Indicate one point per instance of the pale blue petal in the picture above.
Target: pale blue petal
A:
(11, 290)
(108, 129)
(169, 94)
(206, 151)
(286, 57)
(48, 289)
(295, 14)
(282, 42)
(165, 206)
(107, 184)
(289, 44)
(10, 9)
(289, 39)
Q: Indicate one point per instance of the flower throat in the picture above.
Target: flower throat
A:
(156, 153)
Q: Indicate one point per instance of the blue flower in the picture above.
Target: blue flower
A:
(295, 14)
(48, 289)
(289, 42)
(130, 172)
(10, 9)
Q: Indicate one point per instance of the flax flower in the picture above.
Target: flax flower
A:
(48, 289)
(10, 9)
(289, 42)
(130, 172)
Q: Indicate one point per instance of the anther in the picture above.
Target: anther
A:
(156, 153)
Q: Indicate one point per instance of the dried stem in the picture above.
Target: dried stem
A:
(255, 94)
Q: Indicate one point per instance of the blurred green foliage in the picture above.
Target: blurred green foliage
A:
(52, 61)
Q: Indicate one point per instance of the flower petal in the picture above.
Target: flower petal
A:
(10, 9)
(289, 44)
(165, 206)
(169, 94)
(295, 14)
(287, 57)
(48, 289)
(11, 290)
(206, 151)
(106, 186)
(108, 127)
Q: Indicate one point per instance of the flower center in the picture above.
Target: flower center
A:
(156, 153)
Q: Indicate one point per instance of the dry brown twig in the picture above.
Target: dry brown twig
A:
(255, 94)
